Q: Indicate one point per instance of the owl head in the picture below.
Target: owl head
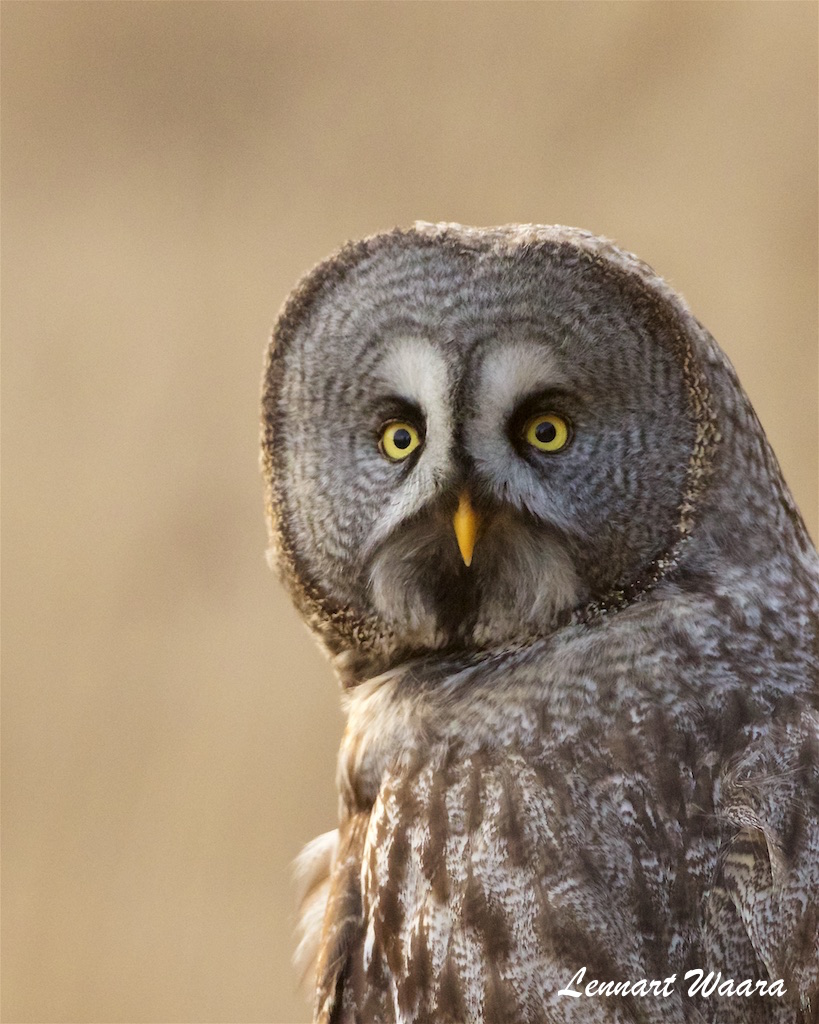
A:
(472, 437)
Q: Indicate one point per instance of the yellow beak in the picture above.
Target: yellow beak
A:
(466, 522)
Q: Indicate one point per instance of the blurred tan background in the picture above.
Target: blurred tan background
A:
(169, 170)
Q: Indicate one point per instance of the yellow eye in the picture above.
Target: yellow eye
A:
(547, 432)
(398, 440)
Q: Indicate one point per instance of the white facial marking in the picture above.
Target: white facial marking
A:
(511, 372)
(417, 371)
(508, 375)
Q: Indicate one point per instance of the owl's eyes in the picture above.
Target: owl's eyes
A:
(398, 440)
(547, 432)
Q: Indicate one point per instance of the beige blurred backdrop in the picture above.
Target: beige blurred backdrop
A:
(169, 171)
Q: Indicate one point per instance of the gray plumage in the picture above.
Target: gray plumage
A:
(597, 745)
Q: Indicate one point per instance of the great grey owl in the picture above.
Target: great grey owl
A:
(518, 493)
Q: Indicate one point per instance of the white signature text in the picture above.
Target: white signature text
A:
(699, 983)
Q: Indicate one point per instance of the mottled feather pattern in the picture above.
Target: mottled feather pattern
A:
(597, 746)
(612, 837)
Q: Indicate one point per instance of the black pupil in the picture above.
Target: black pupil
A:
(402, 438)
(545, 432)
